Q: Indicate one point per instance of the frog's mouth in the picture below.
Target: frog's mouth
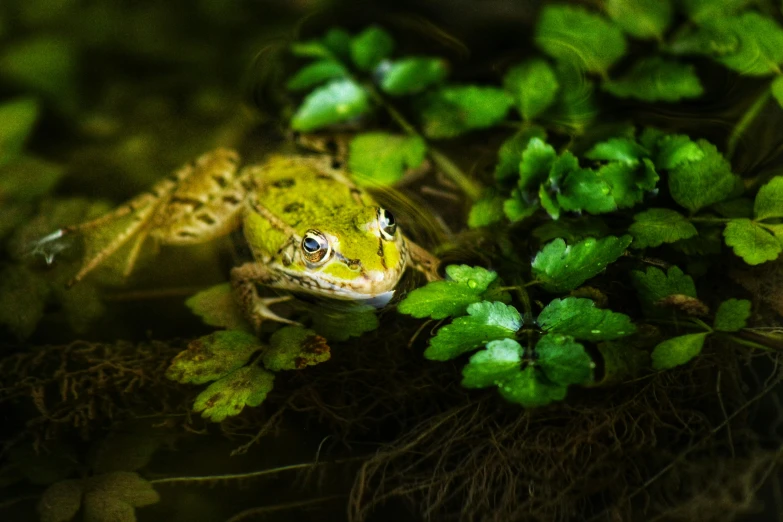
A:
(365, 286)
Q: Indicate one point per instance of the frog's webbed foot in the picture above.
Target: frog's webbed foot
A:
(261, 311)
(256, 309)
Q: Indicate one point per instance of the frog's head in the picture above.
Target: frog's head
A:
(358, 254)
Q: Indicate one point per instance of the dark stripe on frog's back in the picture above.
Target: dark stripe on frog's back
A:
(298, 192)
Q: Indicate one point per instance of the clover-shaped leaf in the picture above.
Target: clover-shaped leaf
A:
(754, 242)
(510, 152)
(575, 35)
(657, 226)
(625, 150)
(464, 286)
(675, 150)
(370, 47)
(412, 75)
(529, 388)
(769, 200)
(17, 118)
(655, 285)
(338, 101)
(485, 322)
(563, 360)
(213, 356)
(217, 307)
(580, 319)
(533, 85)
(732, 315)
(536, 161)
(486, 211)
(560, 267)
(226, 397)
(294, 348)
(656, 79)
(381, 159)
(499, 361)
(697, 184)
(454, 110)
(316, 73)
(641, 18)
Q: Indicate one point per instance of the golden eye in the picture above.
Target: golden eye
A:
(315, 246)
(387, 224)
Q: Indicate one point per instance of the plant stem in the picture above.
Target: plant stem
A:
(745, 122)
(709, 220)
(750, 344)
(472, 189)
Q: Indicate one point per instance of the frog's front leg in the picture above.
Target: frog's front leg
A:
(420, 259)
(244, 279)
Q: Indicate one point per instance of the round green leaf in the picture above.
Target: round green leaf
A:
(335, 102)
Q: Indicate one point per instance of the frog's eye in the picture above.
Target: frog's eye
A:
(387, 224)
(315, 246)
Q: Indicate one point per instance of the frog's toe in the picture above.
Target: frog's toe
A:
(261, 311)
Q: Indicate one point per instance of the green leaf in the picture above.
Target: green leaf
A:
(732, 315)
(535, 163)
(370, 47)
(17, 119)
(530, 389)
(751, 241)
(580, 319)
(247, 386)
(656, 79)
(485, 322)
(217, 307)
(641, 18)
(560, 267)
(312, 49)
(618, 149)
(676, 150)
(533, 85)
(294, 348)
(441, 299)
(700, 10)
(577, 36)
(677, 350)
(26, 178)
(454, 110)
(412, 75)
(213, 356)
(584, 189)
(23, 298)
(759, 50)
(486, 211)
(776, 87)
(698, 184)
(510, 152)
(628, 182)
(563, 360)
(61, 501)
(516, 208)
(769, 200)
(335, 102)
(657, 226)
(381, 159)
(548, 199)
(341, 323)
(499, 361)
(44, 65)
(316, 73)
(338, 41)
(654, 285)
(107, 492)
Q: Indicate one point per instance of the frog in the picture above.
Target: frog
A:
(308, 226)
